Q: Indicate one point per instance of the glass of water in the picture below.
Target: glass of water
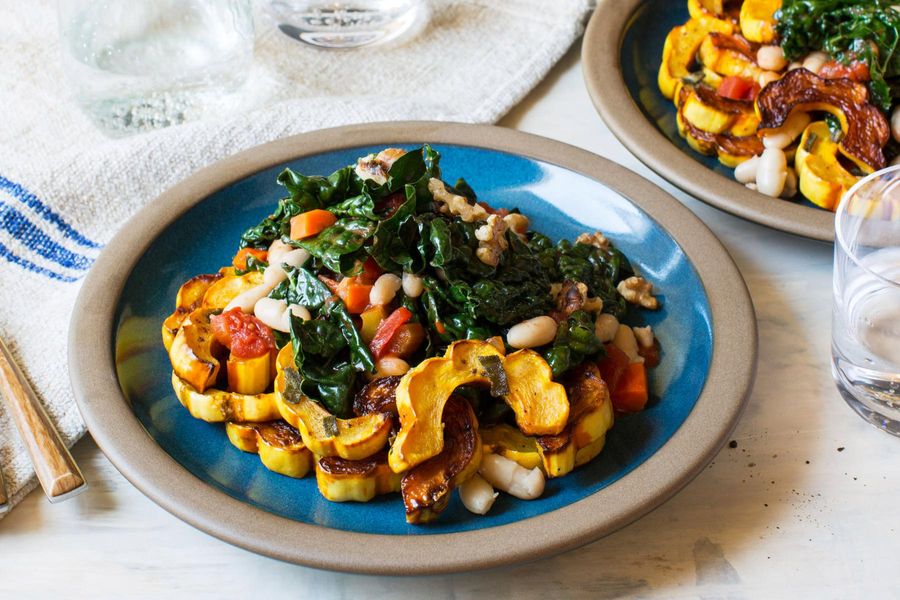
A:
(866, 311)
(137, 65)
(347, 23)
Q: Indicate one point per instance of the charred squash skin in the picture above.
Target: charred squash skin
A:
(279, 446)
(866, 130)
(189, 297)
(378, 396)
(731, 149)
(218, 406)
(342, 480)
(426, 489)
(193, 351)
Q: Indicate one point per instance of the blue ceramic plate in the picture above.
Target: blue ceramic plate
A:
(561, 200)
(621, 53)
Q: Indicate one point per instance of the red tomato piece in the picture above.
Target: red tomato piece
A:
(737, 88)
(612, 366)
(387, 329)
(857, 70)
(243, 334)
(386, 207)
(371, 271)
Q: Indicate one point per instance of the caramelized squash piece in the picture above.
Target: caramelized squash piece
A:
(509, 442)
(758, 20)
(589, 420)
(279, 446)
(823, 179)
(737, 144)
(866, 130)
(249, 375)
(217, 406)
(729, 55)
(228, 287)
(681, 47)
(321, 431)
(342, 480)
(189, 297)
(377, 396)
(426, 488)
(706, 8)
(192, 352)
(540, 405)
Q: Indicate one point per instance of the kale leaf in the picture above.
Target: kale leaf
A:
(575, 341)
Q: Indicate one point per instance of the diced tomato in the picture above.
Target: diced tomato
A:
(406, 340)
(330, 283)
(857, 70)
(387, 329)
(386, 207)
(738, 88)
(371, 271)
(612, 366)
(440, 327)
(243, 334)
(240, 259)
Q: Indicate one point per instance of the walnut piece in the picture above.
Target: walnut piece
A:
(491, 240)
(455, 204)
(638, 290)
(596, 239)
(518, 223)
(375, 167)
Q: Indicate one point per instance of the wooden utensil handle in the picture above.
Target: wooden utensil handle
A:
(54, 466)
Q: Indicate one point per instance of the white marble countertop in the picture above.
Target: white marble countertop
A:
(805, 505)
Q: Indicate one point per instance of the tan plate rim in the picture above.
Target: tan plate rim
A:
(601, 68)
(137, 456)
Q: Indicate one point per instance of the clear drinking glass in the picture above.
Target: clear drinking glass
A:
(346, 23)
(866, 311)
(137, 65)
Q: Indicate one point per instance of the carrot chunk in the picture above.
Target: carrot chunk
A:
(311, 223)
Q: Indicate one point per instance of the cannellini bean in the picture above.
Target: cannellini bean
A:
(284, 323)
(273, 275)
(605, 327)
(746, 171)
(790, 184)
(795, 65)
(532, 333)
(627, 343)
(815, 60)
(277, 249)
(771, 58)
(387, 366)
(784, 136)
(895, 123)
(477, 495)
(767, 77)
(384, 289)
(751, 186)
(772, 172)
(295, 258)
(271, 312)
(247, 300)
(644, 336)
(509, 476)
(412, 285)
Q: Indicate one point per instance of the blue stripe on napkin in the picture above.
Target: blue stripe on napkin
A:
(27, 264)
(18, 225)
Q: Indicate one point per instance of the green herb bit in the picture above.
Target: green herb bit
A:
(493, 368)
(292, 383)
(330, 425)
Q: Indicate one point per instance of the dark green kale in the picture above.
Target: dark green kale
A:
(575, 341)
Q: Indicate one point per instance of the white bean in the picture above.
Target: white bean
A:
(532, 333)
(384, 289)
(273, 275)
(387, 366)
(509, 476)
(644, 336)
(247, 300)
(772, 172)
(815, 60)
(284, 323)
(277, 249)
(412, 285)
(767, 77)
(746, 171)
(751, 186)
(627, 343)
(790, 184)
(295, 258)
(895, 123)
(605, 327)
(784, 136)
(477, 495)
(771, 58)
(795, 65)
(271, 312)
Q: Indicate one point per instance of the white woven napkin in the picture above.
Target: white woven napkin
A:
(65, 188)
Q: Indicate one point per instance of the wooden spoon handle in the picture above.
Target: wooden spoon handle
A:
(54, 466)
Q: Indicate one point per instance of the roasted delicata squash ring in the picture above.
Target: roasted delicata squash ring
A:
(823, 180)
(509, 442)
(217, 406)
(540, 405)
(193, 351)
(228, 287)
(728, 55)
(279, 446)
(426, 488)
(342, 480)
(706, 8)
(189, 297)
(681, 47)
(325, 435)
(590, 418)
(758, 20)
